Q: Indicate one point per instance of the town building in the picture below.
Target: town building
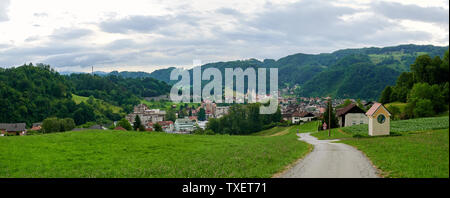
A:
(221, 111)
(146, 115)
(304, 116)
(167, 126)
(184, 125)
(202, 124)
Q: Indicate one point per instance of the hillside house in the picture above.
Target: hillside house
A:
(351, 115)
(13, 129)
(304, 116)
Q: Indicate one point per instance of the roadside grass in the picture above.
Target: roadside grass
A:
(336, 133)
(306, 127)
(104, 105)
(414, 155)
(120, 154)
(397, 127)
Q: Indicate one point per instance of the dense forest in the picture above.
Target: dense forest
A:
(32, 93)
(354, 76)
(117, 90)
(425, 88)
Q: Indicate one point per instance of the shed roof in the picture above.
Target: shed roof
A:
(120, 128)
(349, 108)
(13, 127)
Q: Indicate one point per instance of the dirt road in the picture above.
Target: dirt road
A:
(331, 160)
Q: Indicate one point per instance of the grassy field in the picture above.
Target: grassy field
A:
(306, 127)
(132, 154)
(415, 155)
(104, 105)
(278, 130)
(397, 127)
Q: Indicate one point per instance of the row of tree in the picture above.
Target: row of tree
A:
(51, 125)
(243, 119)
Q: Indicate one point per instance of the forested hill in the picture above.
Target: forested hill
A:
(355, 73)
(32, 93)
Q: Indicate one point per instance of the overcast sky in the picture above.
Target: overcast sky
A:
(144, 35)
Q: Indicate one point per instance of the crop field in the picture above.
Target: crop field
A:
(415, 155)
(119, 154)
(400, 126)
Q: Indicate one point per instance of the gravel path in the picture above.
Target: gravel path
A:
(331, 160)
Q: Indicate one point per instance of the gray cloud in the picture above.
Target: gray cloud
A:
(41, 14)
(4, 4)
(83, 59)
(309, 26)
(412, 12)
(69, 34)
(228, 11)
(134, 23)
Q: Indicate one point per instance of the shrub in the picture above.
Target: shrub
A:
(424, 108)
(125, 124)
(33, 132)
(209, 132)
(157, 127)
(51, 125)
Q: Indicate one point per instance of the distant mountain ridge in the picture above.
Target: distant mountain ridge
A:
(347, 73)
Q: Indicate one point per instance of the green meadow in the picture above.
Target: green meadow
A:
(119, 154)
(422, 154)
(416, 148)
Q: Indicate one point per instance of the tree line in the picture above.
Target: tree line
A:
(425, 88)
(243, 119)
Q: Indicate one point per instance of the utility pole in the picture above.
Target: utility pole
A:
(329, 116)
(92, 73)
